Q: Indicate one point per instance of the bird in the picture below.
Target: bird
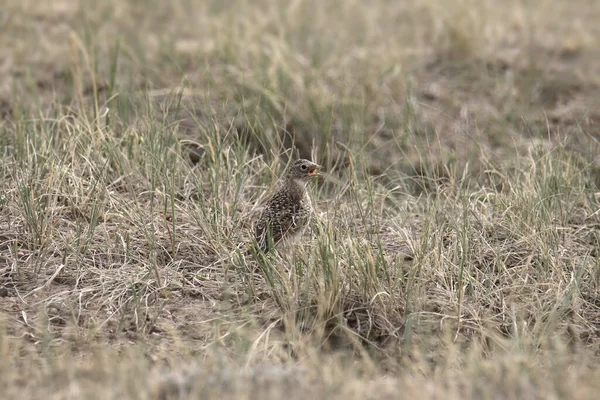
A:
(287, 213)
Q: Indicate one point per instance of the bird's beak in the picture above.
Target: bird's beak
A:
(314, 170)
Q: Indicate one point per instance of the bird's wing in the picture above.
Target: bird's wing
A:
(276, 220)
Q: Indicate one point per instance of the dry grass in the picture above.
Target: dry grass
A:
(455, 253)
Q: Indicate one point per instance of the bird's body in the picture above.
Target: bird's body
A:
(287, 213)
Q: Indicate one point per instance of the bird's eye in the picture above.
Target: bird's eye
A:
(304, 167)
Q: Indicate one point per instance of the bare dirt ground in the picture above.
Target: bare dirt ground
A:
(455, 249)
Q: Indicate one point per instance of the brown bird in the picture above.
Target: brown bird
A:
(287, 213)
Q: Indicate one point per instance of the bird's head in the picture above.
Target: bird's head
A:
(303, 170)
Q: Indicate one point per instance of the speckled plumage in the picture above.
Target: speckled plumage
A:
(287, 213)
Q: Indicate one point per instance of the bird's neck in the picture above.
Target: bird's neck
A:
(296, 184)
(300, 183)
